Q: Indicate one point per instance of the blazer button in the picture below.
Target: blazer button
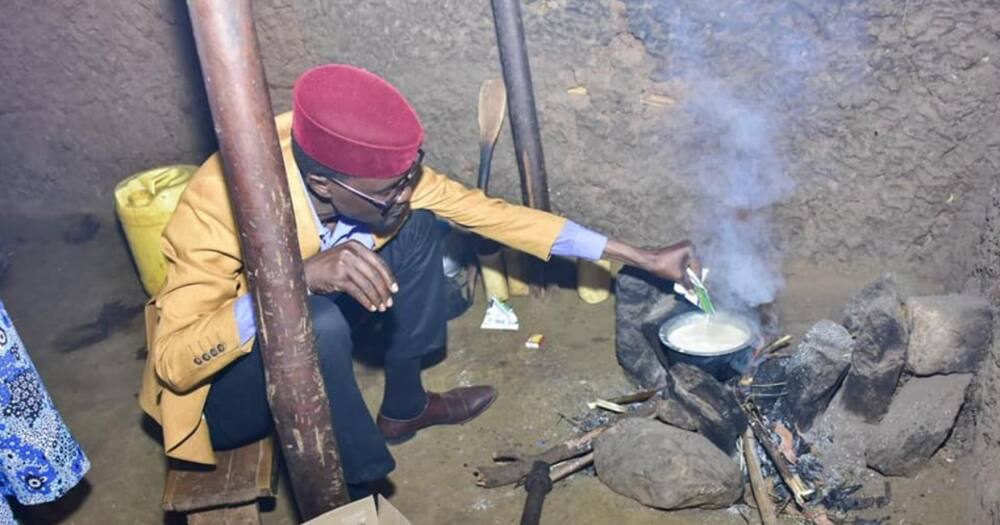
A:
(205, 357)
(197, 361)
(220, 347)
(214, 351)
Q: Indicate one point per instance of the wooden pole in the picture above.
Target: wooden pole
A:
(523, 117)
(521, 103)
(255, 176)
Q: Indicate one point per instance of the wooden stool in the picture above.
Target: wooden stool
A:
(226, 494)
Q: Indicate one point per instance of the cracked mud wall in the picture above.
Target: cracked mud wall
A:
(892, 150)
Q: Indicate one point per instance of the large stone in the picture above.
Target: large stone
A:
(712, 404)
(665, 467)
(857, 308)
(948, 333)
(816, 369)
(878, 358)
(671, 412)
(636, 293)
(917, 424)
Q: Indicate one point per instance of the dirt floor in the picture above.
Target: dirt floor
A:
(53, 287)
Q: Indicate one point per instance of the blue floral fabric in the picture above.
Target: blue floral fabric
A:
(39, 459)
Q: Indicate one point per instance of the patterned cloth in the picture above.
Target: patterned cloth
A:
(39, 459)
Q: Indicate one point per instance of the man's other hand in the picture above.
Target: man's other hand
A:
(355, 270)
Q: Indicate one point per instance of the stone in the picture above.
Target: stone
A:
(712, 405)
(948, 333)
(671, 412)
(665, 467)
(636, 293)
(877, 361)
(816, 369)
(857, 308)
(917, 424)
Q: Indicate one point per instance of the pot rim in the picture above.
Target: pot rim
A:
(675, 322)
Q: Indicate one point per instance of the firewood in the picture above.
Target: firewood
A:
(520, 465)
(765, 506)
(516, 470)
(800, 491)
(607, 405)
(634, 398)
(774, 346)
(566, 468)
(787, 445)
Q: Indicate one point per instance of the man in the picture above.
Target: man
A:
(365, 209)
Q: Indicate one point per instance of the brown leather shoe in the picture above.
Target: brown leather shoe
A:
(453, 407)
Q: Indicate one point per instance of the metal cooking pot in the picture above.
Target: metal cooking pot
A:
(723, 364)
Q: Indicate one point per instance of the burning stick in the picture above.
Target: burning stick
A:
(800, 491)
(814, 513)
(765, 506)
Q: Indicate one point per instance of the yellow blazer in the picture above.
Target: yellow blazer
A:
(191, 329)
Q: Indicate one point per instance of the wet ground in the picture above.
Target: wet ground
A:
(52, 287)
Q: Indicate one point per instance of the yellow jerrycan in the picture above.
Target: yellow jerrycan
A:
(144, 203)
(593, 280)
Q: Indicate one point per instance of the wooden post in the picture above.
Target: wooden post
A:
(523, 116)
(521, 103)
(255, 175)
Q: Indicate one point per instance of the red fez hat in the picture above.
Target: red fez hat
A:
(354, 122)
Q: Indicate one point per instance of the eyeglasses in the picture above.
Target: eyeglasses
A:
(394, 191)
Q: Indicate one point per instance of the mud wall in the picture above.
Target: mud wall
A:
(892, 149)
(985, 279)
(91, 92)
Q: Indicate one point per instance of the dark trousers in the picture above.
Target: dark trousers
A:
(236, 410)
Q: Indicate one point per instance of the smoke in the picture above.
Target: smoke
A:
(742, 69)
(737, 178)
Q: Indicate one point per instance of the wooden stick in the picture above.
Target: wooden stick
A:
(775, 345)
(513, 472)
(634, 398)
(765, 506)
(566, 468)
(800, 491)
(604, 404)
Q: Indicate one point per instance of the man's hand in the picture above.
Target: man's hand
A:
(670, 263)
(353, 269)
